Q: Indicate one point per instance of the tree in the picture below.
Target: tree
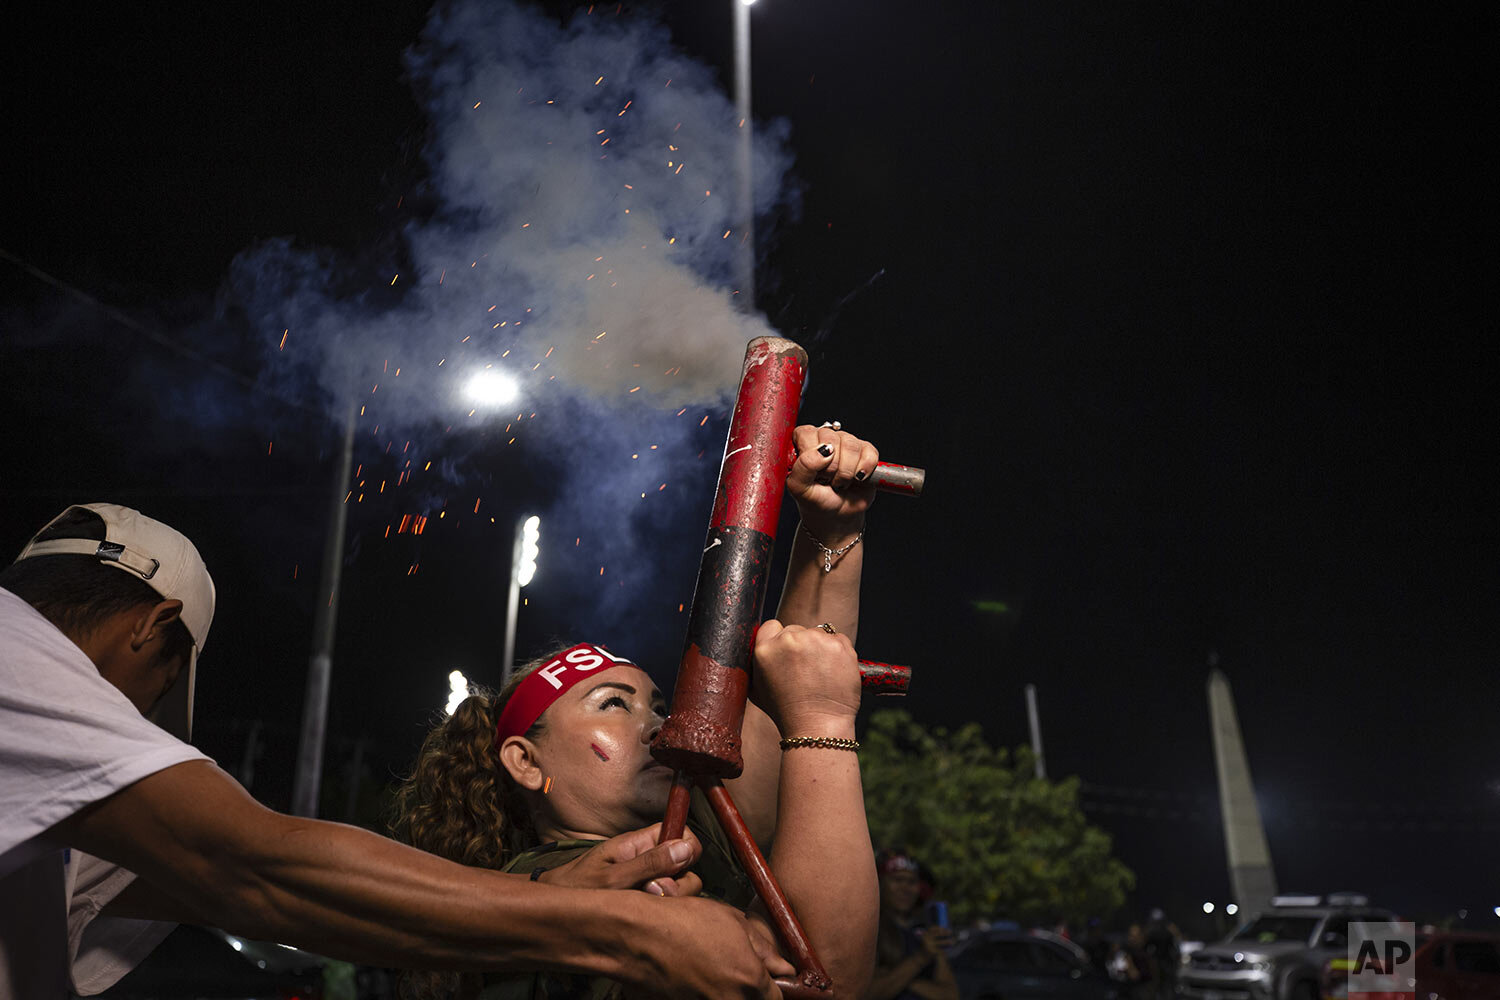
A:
(1001, 842)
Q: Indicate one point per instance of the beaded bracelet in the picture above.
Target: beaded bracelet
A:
(824, 742)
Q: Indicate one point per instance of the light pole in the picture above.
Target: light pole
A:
(744, 187)
(522, 568)
(308, 777)
(1034, 719)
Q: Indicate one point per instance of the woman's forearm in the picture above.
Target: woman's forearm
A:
(809, 598)
(812, 596)
(822, 857)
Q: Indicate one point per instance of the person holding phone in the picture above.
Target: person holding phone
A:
(909, 959)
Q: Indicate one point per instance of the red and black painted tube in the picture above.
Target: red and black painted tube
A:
(904, 479)
(702, 735)
(884, 678)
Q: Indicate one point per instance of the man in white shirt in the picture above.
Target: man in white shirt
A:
(102, 618)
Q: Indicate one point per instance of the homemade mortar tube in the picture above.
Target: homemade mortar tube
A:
(702, 735)
(904, 479)
(884, 678)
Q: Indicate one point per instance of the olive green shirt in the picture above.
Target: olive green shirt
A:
(723, 879)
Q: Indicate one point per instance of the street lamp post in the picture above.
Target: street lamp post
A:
(307, 780)
(745, 188)
(522, 568)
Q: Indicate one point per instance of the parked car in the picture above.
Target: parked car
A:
(196, 963)
(1453, 965)
(1007, 963)
(1281, 954)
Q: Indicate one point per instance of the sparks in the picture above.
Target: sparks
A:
(476, 506)
(704, 420)
(283, 340)
(394, 277)
(598, 81)
(476, 105)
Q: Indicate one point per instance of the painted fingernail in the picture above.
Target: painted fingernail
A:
(680, 851)
(860, 475)
(654, 889)
(826, 450)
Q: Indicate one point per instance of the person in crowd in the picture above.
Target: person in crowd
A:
(109, 818)
(559, 759)
(1139, 970)
(910, 963)
(1164, 949)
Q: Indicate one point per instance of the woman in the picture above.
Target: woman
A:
(559, 760)
(910, 964)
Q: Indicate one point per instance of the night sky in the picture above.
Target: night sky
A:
(1181, 305)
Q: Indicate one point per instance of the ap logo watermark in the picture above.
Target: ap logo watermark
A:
(1381, 960)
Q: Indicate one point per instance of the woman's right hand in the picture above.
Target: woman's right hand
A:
(806, 680)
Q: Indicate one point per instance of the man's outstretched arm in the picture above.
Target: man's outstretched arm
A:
(197, 838)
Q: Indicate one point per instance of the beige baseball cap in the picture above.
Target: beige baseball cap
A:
(164, 558)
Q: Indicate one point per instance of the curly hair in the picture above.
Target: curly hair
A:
(460, 803)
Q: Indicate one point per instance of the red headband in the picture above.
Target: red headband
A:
(547, 683)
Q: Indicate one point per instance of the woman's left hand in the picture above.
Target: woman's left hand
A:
(805, 679)
(830, 480)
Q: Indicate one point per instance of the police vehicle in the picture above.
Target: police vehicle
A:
(1281, 954)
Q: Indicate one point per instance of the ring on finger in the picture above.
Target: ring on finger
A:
(831, 423)
(827, 627)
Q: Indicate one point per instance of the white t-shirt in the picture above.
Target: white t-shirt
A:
(67, 738)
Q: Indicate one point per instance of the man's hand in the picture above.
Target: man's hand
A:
(634, 861)
(805, 679)
(830, 480)
(702, 948)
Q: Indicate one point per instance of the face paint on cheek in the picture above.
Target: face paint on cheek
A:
(602, 755)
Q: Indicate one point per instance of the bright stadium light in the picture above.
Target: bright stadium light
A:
(492, 388)
(1232, 909)
(531, 534)
(458, 690)
(1208, 907)
(523, 555)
